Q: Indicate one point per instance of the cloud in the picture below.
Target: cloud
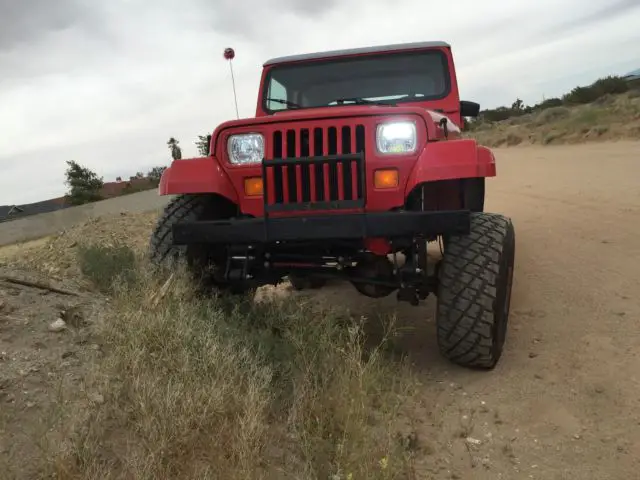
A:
(23, 22)
(598, 15)
(265, 18)
(107, 85)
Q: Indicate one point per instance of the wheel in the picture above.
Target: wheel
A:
(303, 283)
(474, 292)
(203, 264)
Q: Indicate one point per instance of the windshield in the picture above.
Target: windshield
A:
(388, 78)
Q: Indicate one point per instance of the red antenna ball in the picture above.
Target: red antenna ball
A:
(229, 54)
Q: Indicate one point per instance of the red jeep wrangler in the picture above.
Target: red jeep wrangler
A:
(353, 163)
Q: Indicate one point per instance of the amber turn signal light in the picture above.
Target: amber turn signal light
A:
(386, 178)
(253, 186)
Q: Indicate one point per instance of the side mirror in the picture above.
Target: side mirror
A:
(469, 109)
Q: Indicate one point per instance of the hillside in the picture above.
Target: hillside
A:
(610, 117)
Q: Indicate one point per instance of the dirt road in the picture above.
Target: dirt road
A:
(564, 403)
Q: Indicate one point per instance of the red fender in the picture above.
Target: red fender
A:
(451, 159)
(197, 175)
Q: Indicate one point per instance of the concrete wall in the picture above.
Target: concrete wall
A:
(44, 224)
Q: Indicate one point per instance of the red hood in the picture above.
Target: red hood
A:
(324, 112)
(430, 117)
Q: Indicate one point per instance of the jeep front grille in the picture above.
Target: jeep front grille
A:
(315, 168)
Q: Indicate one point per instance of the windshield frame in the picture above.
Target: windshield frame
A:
(444, 59)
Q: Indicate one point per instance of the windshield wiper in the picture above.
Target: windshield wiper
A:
(284, 102)
(411, 95)
(362, 101)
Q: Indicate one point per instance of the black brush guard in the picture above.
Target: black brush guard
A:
(344, 177)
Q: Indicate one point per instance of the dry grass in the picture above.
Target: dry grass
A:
(608, 118)
(107, 267)
(212, 388)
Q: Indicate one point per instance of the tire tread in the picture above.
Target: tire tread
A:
(180, 208)
(467, 294)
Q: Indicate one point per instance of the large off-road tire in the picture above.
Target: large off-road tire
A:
(474, 292)
(162, 251)
(198, 260)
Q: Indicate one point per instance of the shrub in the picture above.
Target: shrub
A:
(496, 115)
(550, 138)
(581, 95)
(548, 103)
(601, 87)
(605, 100)
(551, 114)
(105, 265)
(513, 139)
(611, 85)
(599, 130)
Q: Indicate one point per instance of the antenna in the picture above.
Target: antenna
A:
(230, 54)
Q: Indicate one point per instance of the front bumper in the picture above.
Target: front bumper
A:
(323, 227)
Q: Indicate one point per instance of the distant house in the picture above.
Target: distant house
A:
(13, 212)
(635, 75)
(120, 187)
(633, 78)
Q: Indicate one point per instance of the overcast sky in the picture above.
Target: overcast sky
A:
(107, 83)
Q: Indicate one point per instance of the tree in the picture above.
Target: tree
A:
(203, 143)
(517, 106)
(155, 173)
(84, 185)
(176, 152)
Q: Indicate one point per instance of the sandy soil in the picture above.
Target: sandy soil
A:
(564, 403)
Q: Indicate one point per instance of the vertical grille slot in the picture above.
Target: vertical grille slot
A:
(347, 168)
(318, 151)
(360, 137)
(305, 168)
(291, 169)
(333, 166)
(313, 169)
(277, 172)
